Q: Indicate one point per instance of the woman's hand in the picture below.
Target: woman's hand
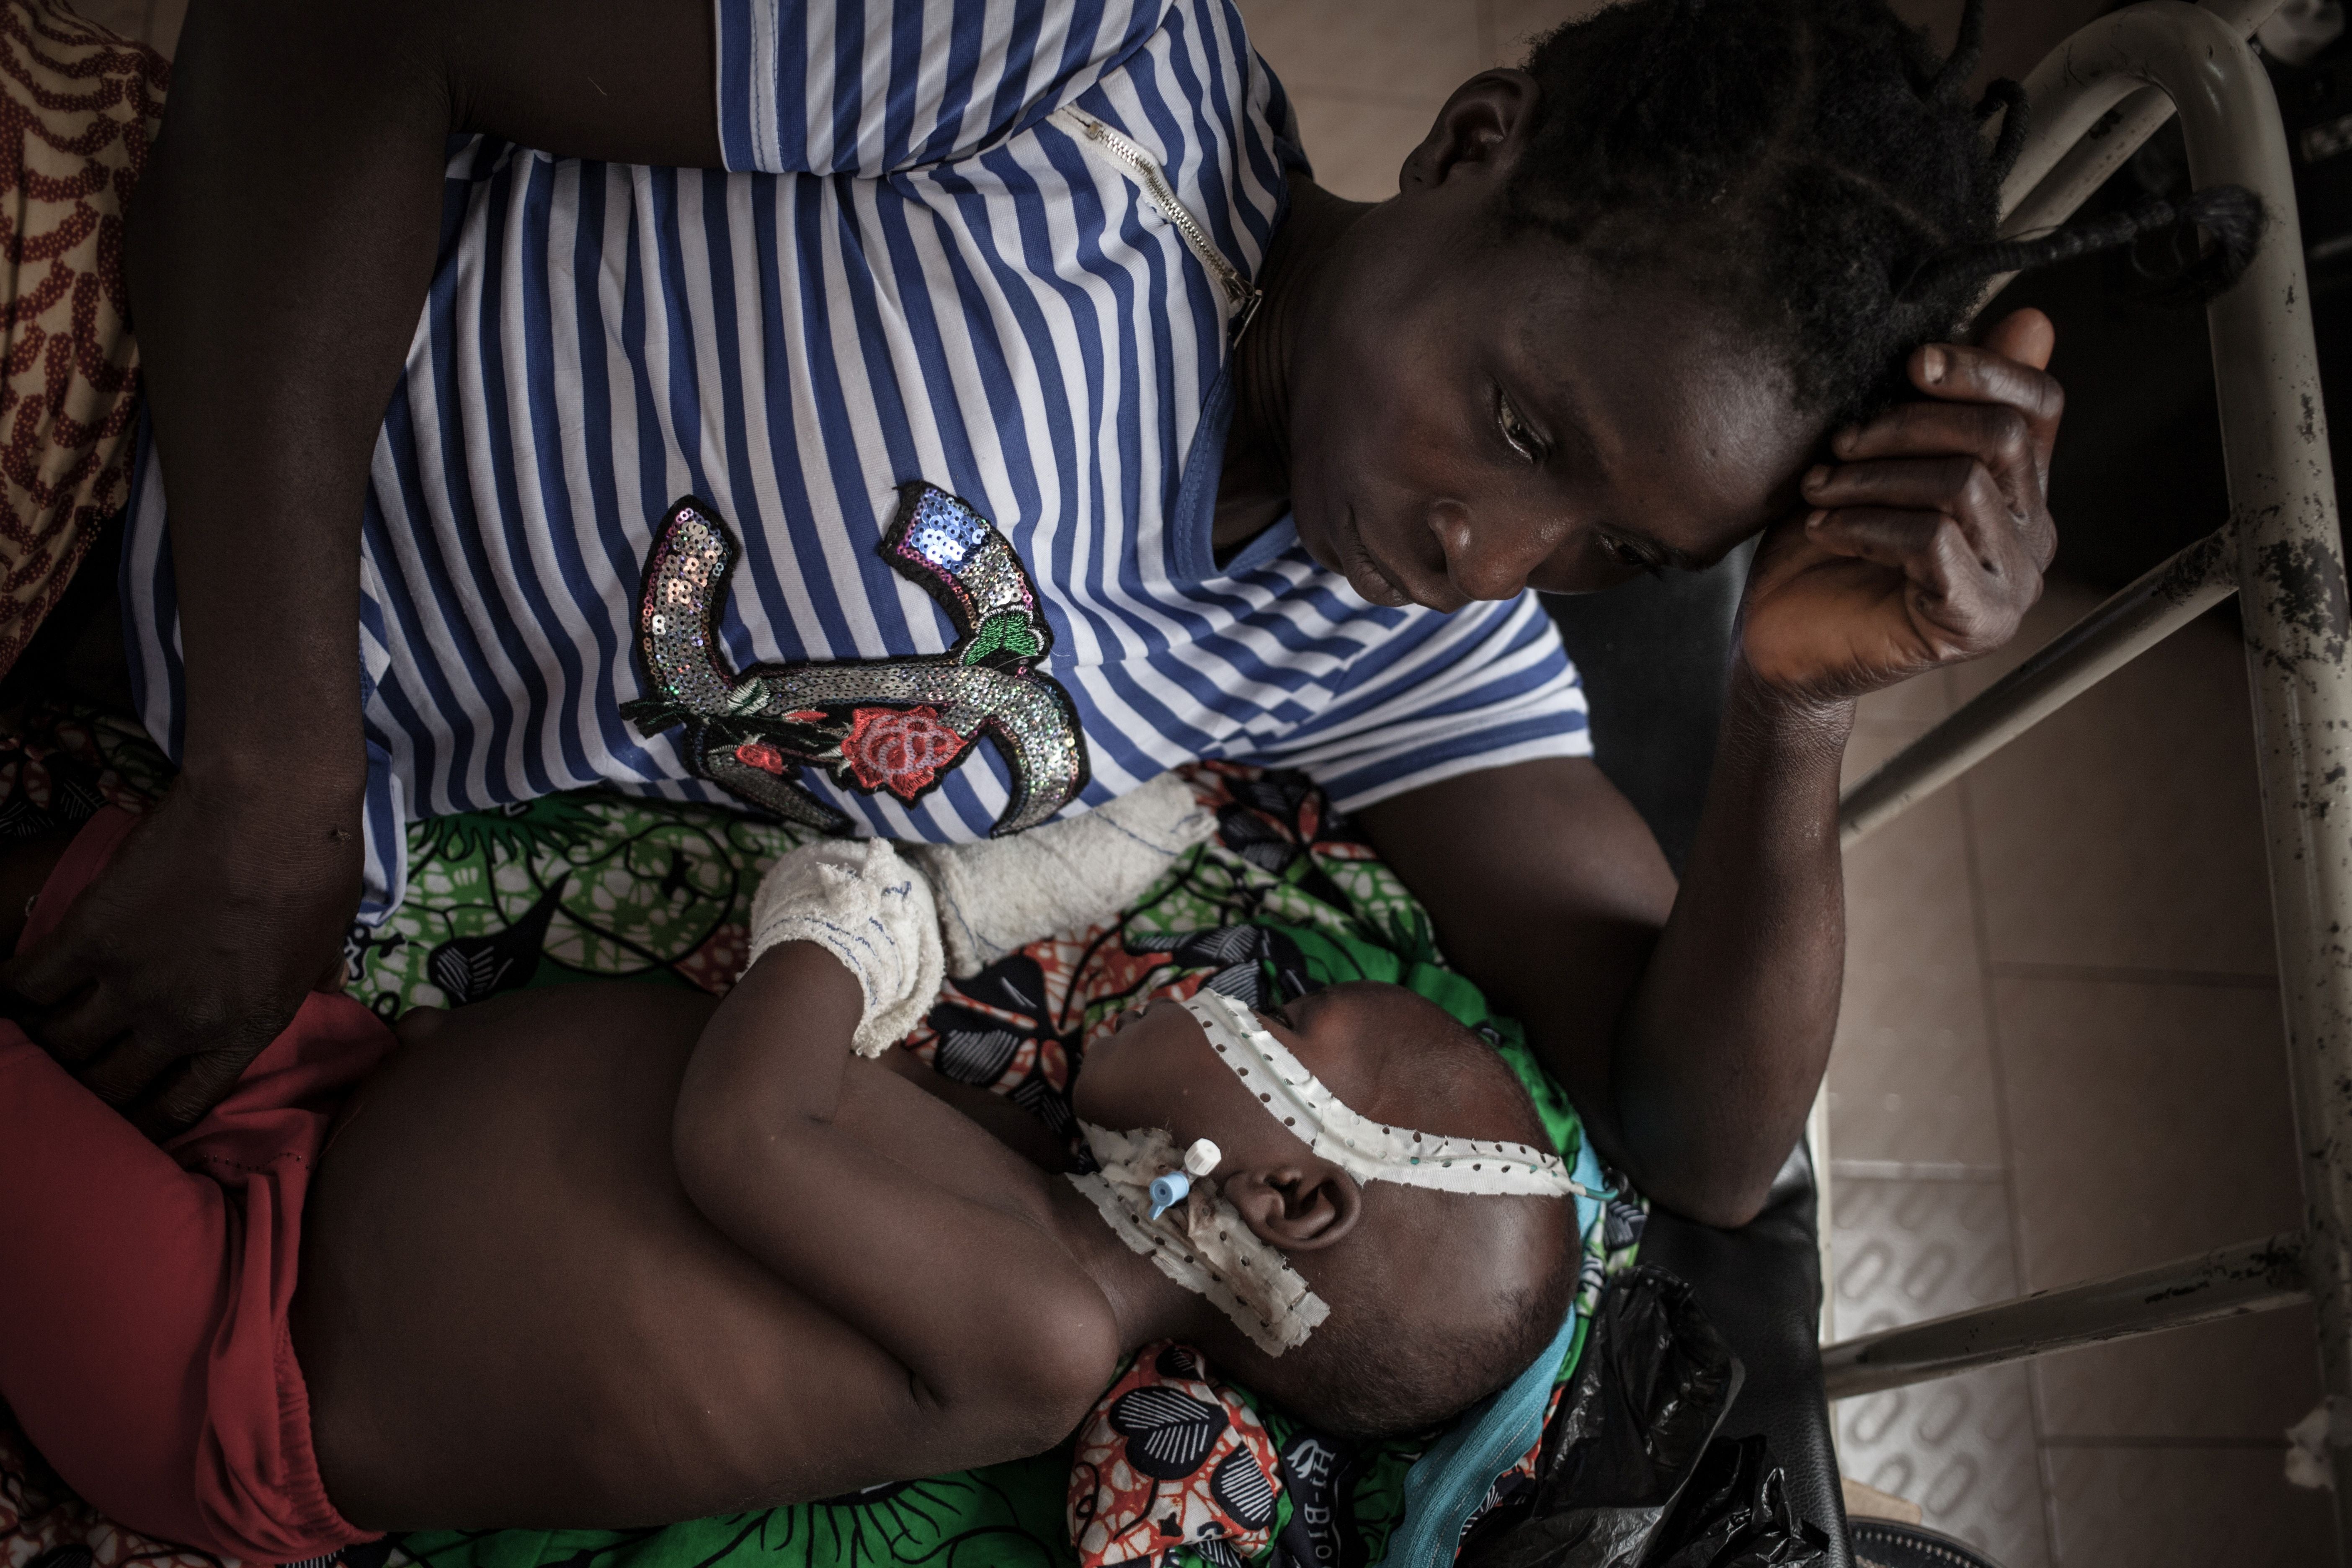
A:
(1926, 539)
(192, 951)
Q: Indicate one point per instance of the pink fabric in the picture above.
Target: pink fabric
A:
(143, 1291)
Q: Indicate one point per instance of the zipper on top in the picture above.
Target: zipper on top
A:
(1241, 297)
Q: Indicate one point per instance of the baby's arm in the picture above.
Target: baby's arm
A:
(997, 1114)
(781, 1139)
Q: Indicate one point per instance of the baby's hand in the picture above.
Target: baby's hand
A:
(871, 909)
(1068, 875)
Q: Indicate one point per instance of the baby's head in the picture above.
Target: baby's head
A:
(1435, 1297)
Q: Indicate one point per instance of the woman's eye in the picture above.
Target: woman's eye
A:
(1624, 554)
(1515, 429)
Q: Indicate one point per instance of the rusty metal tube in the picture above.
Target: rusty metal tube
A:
(2057, 172)
(2297, 615)
(2135, 620)
(2252, 1277)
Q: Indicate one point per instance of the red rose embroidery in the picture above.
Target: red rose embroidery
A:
(901, 750)
(767, 759)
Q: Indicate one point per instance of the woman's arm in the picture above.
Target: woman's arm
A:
(1692, 1028)
(280, 249)
(1003, 1337)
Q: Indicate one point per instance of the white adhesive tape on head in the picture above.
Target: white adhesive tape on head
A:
(1364, 1148)
(1202, 1243)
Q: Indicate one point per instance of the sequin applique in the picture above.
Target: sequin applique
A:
(899, 724)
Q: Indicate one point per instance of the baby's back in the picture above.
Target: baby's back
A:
(510, 1313)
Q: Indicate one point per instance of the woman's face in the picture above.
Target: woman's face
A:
(1471, 417)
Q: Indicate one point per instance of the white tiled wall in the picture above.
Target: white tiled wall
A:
(2060, 997)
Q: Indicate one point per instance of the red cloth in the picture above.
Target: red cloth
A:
(143, 1291)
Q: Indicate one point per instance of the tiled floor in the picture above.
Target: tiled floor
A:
(2060, 1051)
(2059, 1057)
(1963, 1450)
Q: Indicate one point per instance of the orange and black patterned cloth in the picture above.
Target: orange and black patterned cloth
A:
(78, 111)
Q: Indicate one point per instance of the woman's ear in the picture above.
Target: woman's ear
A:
(1476, 127)
(1300, 1206)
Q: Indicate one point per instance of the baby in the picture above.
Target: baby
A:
(615, 1254)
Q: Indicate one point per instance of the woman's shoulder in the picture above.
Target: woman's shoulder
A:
(903, 85)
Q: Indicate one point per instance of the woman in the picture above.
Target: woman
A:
(1021, 343)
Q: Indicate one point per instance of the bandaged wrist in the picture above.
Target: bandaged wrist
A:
(860, 902)
(1062, 878)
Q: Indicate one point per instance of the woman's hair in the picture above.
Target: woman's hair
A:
(1813, 165)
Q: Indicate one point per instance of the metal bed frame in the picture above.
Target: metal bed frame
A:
(2095, 100)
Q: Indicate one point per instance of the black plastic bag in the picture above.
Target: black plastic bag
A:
(1653, 1383)
(1735, 1513)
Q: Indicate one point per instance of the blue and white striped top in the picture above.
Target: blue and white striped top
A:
(949, 396)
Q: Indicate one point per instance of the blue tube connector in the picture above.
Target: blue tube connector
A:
(1168, 1191)
(1172, 1189)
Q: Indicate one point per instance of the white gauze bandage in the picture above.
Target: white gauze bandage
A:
(872, 910)
(1062, 877)
(1202, 1243)
(1363, 1148)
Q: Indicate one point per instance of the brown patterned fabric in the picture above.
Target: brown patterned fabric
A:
(79, 110)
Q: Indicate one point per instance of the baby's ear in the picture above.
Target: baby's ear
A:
(1298, 1206)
